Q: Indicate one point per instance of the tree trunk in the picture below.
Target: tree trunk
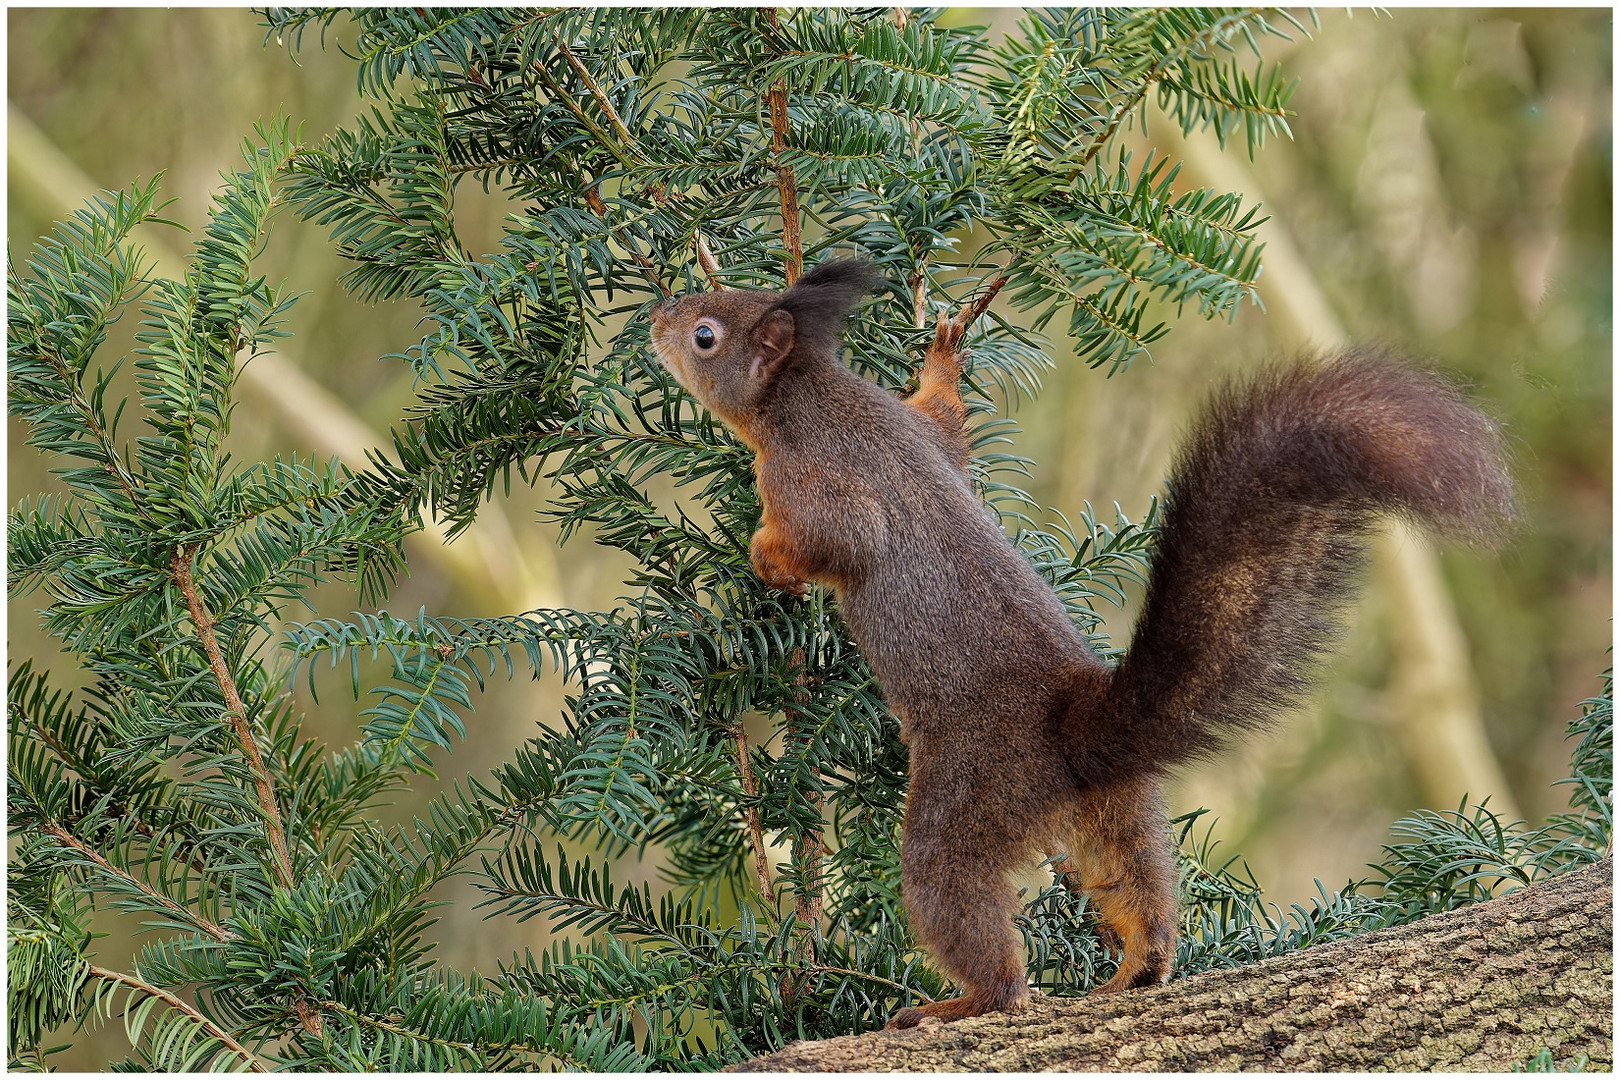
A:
(1485, 987)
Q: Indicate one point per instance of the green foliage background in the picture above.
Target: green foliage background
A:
(1448, 183)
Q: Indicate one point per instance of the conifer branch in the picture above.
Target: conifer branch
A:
(756, 834)
(294, 399)
(807, 848)
(561, 96)
(620, 147)
(706, 260)
(593, 199)
(1065, 870)
(76, 761)
(250, 1059)
(787, 184)
(867, 976)
(388, 1025)
(112, 461)
(970, 311)
(596, 91)
(67, 839)
(1154, 73)
(203, 621)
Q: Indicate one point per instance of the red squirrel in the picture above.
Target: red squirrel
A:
(1022, 740)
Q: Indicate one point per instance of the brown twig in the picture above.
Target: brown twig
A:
(756, 834)
(562, 97)
(597, 93)
(949, 332)
(776, 102)
(620, 147)
(807, 849)
(969, 312)
(822, 969)
(919, 298)
(706, 260)
(214, 1030)
(593, 199)
(62, 836)
(786, 183)
(202, 621)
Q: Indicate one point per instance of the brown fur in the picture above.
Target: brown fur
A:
(1022, 740)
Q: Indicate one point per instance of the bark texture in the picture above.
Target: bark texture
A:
(1482, 988)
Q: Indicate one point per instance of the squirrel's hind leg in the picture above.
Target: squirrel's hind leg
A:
(1126, 868)
(939, 390)
(961, 907)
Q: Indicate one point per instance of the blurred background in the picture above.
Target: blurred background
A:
(1447, 192)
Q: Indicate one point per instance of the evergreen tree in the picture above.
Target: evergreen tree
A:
(732, 729)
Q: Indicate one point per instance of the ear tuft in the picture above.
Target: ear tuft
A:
(821, 300)
(850, 279)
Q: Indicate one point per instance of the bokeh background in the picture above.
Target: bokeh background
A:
(1447, 191)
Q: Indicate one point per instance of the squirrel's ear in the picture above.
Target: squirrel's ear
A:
(821, 300)
(773, 342)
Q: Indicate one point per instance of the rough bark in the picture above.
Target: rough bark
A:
(1482, 988)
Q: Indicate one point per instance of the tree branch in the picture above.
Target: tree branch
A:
(1483, 987)
(786, 183)
(203, 621)
(706, 260)
(214, 1031)
(806, 848)
(776, 103)
(970, 311)
(67, 839)
(602, 102)
(561, 96)
(756, 834)
(619, 146)
(593, 198)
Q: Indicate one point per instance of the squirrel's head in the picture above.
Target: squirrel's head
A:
(729, 348)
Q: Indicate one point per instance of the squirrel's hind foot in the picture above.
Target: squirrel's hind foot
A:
(1008, 1000)
(1135, 971)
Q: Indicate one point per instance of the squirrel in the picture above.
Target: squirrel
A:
(1022, 739)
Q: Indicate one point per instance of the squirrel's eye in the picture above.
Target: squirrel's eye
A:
(703, 338)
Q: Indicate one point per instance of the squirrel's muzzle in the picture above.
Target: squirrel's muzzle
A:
(662, 310)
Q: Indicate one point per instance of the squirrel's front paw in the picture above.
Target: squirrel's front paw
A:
(786, 582)
(772, 570)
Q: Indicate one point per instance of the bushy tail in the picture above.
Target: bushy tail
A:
(1264, 532)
